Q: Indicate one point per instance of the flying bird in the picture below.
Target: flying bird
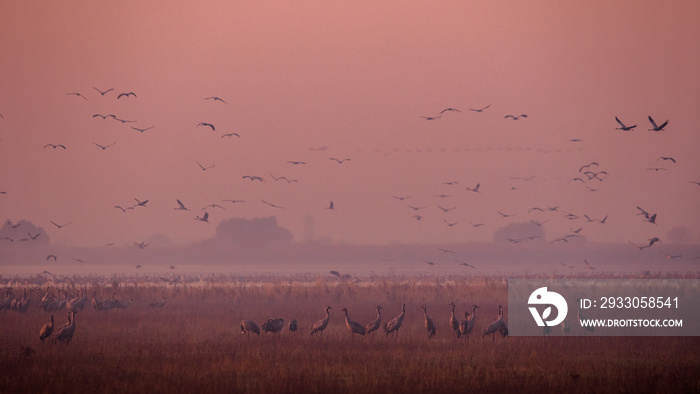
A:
(253, 178)
(666, 158)
(480, 109)
(465, 264)
(51, 257)
(103, 147)
(60, 225)
(206, 125)
(654, 127)
(623, 127)
(283, 178)
(590, 267)
(400, 198)
(474, 189)
(181, 206)
(506, 215)
(76, 94)
(594, 175)
(203, 218)
(55, 146)
(651, 242)
(271, 204)
(213, 206)
(140, 245)
(340, 161)
(449, 110)
(204, 168)
(127, 94)
(583, 167)
(296, 162)
(142, 130)
(122, 208)
(140, 203)
(215, 99)
(431, 117)
(105, 92)
(515, 117)
(231, 135)
(234, 201)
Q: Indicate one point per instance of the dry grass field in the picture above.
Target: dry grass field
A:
(194, 344)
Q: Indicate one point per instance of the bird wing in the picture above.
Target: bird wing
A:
(618, 121)
(663, 125)
(652, 122)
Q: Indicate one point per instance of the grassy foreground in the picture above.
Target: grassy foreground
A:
(194, 344)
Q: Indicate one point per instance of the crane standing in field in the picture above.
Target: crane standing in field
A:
(454, 322)
(467, 325)
(394, 324)
(374, 324)
(429, 324)
(274, 326)
(353, 326)
(248, 326)
(65, 332)
(46, 330)
(499, 325)
(321, 325)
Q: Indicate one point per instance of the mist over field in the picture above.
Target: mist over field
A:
(261, 245)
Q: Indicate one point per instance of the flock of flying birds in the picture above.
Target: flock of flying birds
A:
(588, 174)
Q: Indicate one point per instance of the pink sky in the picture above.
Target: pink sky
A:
(355, 77)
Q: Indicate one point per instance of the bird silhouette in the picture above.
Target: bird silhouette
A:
(203, 218)
(140, 203)
(253, 178)
(207, 125)
(127, 94)
(449, 110)
(142, 130)
(60, 225)
(667, 158)
(271, 204)
(231, 135)
(181, 206)
(103, 147)
(654, 127)
(479, 109)
(475, 189)
(340, 161)
(623, 127)
(515, 117)
(103, 92)
(76, 94)
(431, 117)
(215, 99)
(55, 146)
(204, 168)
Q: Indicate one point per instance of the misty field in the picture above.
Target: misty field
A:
(194, 344)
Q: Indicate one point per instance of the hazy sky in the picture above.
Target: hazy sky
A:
(355, 77)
